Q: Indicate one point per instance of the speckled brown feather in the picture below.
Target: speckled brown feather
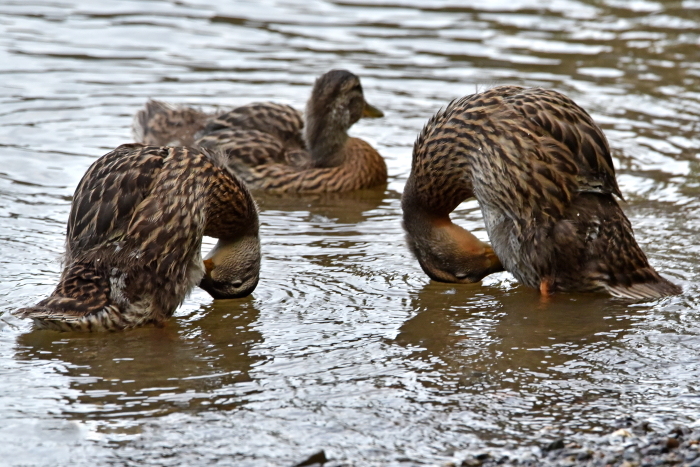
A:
(362, 167)
(134, 236)
(270, 147)
(280, 122)
(161, 124)
(542, 172)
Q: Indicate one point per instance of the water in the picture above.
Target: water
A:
(345, 345)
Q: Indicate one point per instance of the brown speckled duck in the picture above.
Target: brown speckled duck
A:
(272, 147)
(543, 175)
(134, 239)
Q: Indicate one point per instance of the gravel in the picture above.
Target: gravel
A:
(630, 445)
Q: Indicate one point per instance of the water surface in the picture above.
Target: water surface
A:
(345, 345)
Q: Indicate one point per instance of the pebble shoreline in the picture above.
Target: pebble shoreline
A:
(630, 445)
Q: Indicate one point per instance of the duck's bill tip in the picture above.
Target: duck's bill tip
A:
(371, 111)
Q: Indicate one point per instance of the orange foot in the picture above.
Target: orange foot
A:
(546, 289)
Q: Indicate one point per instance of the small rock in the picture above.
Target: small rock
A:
(672, 443)
(631, 454)
(653, 451)
(643, 427)
(680, 431)
(471, 462)
(317, 458)
(554, 445)
(622, 433)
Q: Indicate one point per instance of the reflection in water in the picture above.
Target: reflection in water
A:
(515, 358)
(341, 208)
(191, 363)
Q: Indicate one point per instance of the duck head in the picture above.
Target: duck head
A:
(232, 267)
(336, 103)
(447, 252)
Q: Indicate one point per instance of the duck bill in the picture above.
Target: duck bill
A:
(370, 111)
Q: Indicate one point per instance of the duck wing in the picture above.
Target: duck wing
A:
(249, 147)
(102, 210)
(108, 195)
(560, 118)
(162, 124)
(82, 291)
(363, 168)
(562, 176)
(280, 121)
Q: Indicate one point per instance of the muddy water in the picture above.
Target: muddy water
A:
(345, 345)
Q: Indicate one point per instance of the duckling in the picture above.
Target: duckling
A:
(272, 147)
(542, 172)
(134, 238)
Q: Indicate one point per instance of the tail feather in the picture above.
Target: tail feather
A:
(161, 124)
(81, 302)
(611, 258)
(657, 288)
(106, 319)
(48, 318)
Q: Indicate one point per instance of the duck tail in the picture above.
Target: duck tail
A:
(81, 302)
(612, 260)
(161, 124)
(70, 314)
(46, 317)
(622, 262)
(652, 286)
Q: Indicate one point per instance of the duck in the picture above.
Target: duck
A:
(134, 237)
(542, 173)
(272, 146)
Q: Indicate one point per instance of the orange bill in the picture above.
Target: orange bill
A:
(208, 266)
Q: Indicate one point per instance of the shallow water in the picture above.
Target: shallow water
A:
(345, 345)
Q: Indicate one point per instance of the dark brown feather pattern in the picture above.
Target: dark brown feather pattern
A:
(272, 147)
(134, 238)
(542, 172)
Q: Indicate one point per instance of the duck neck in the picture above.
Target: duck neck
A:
(423, 201)
(421, 213)
(325, 138)
(445, 251)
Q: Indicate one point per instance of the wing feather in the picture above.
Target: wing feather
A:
(108, 195)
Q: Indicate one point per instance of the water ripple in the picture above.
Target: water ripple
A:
(345, 345)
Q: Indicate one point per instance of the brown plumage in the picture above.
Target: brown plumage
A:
(543, 175)
(272, 147)
(134, 238)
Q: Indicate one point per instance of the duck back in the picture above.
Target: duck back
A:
(162, 124)
(134, 237)
(542, 172)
